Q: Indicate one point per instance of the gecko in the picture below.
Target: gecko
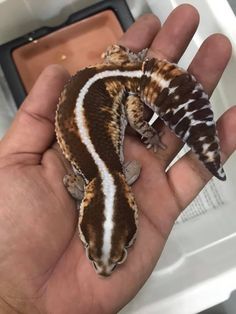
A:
(93, 111)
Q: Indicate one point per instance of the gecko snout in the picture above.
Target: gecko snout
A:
(104, 270)
(105, 266)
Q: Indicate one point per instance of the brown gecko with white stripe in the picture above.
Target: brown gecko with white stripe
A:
(94, 109)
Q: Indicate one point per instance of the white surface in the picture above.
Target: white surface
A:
(18, 17)
(7, 106)
(33, 14)
(198, 266)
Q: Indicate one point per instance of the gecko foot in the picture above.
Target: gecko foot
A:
(75, 186)
(132, 171)
(154, 141)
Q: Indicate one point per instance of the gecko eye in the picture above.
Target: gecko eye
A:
(88, 253)
(114, 267)
(123, 257)
(94, 265)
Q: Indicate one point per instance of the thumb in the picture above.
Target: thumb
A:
(32, 130)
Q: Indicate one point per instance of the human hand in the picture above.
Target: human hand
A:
(43, 267)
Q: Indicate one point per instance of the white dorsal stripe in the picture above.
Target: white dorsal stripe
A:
(108, 186)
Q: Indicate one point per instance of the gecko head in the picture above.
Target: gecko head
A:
(104, 265)
(120, 55)
(107, 223)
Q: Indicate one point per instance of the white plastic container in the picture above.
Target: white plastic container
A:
(7, 105)
(198, 266)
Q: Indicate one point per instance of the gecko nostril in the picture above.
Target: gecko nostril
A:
(113, 267)
(95, 266)
(104, 270)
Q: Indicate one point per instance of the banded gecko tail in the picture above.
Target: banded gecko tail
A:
(182, 104)
(206, 147)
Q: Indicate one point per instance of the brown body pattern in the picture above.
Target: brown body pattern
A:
(92, 114)
(104, 118)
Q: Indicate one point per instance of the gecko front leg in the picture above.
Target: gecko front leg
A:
(135, 116)
(74, 184)
(131, 170)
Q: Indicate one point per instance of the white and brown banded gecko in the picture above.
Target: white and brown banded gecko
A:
(93, 111)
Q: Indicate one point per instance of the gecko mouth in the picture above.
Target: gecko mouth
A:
(104, 271)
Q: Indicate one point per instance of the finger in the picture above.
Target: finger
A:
(170, 43)
(174, 37)
(210, 61)
(208, 66)
(188, 175)
(146, 31)
(33, 127)
(141, 34)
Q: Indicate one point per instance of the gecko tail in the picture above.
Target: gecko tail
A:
(217, 171)
(207, 149)
(220, 174)
(181, 102)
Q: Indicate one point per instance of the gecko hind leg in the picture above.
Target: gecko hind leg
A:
(135, 115)
(74, 184)
(153, 140)
(131, 171)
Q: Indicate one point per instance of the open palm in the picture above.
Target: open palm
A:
(43, 267)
